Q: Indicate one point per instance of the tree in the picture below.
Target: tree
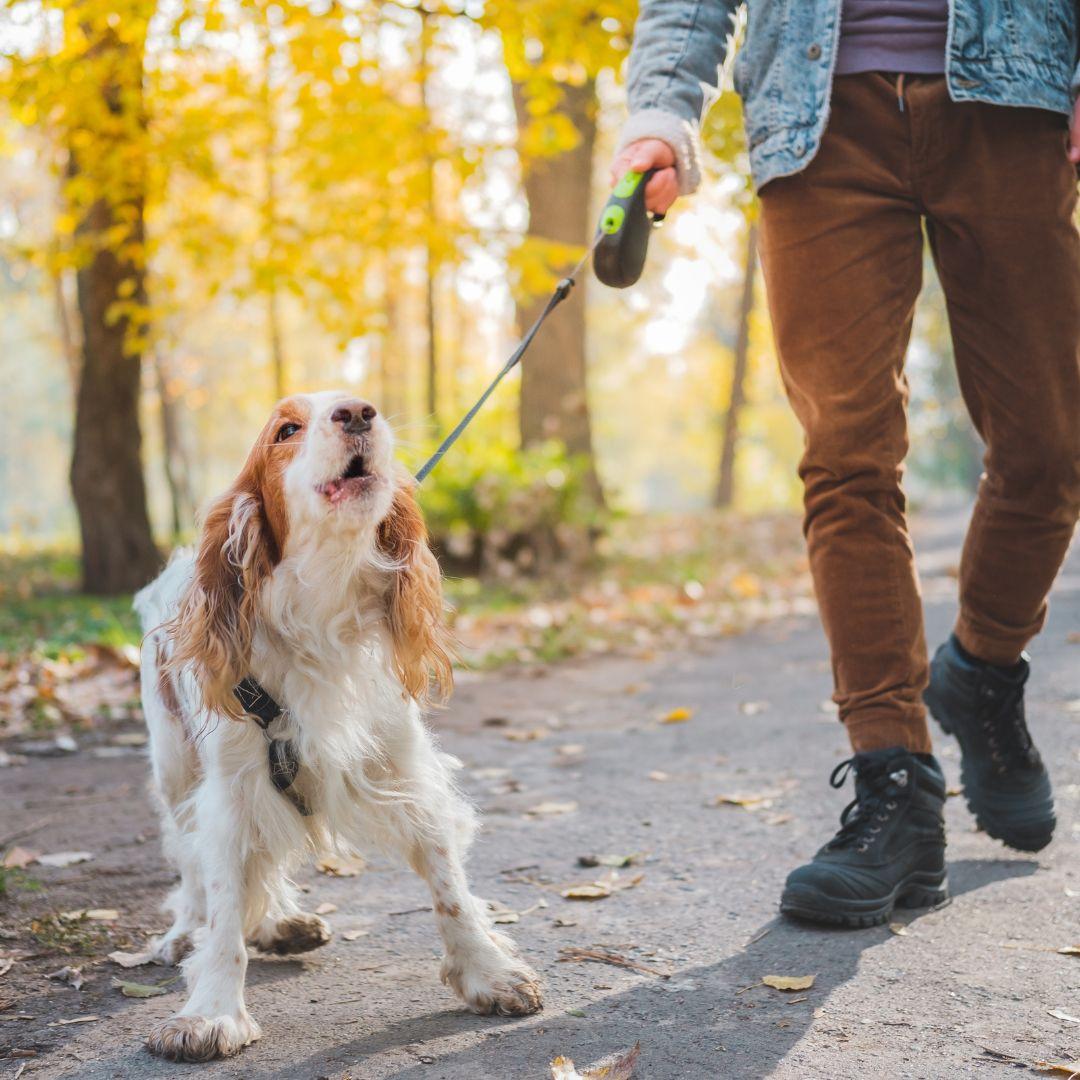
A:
(725, 484)
(554, 52)
(554, 392)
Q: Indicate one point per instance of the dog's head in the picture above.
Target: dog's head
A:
(320, 480)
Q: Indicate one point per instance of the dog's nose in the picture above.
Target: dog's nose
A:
(354, 417)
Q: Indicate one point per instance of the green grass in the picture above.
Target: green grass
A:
(41, 609)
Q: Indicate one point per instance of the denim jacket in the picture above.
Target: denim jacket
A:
(1006, 52)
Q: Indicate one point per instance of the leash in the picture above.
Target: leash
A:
(562, 291)
(620, 245)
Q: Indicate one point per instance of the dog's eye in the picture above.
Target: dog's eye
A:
(286, 431)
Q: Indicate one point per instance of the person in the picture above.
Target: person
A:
(870, 122)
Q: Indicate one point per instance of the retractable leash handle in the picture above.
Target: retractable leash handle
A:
(623, 232)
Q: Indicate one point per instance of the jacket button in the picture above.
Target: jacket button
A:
(814, 51)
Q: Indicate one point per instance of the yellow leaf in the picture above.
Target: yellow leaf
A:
(789, 982)
(594, 891)
(546, 808)
(1062, 1068)
(677, 716)
(1070, 950)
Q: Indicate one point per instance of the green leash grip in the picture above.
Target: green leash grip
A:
(623, 232)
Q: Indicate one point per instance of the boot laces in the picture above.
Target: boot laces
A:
(1004, 724)
(880, 787)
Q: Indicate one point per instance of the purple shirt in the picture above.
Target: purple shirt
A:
(893, 35)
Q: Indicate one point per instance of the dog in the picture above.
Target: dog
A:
(314, 589)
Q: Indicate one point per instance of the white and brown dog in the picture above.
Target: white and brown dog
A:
(314, 578)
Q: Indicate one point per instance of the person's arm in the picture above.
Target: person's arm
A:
(679, 46)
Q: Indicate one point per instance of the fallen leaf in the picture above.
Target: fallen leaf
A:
(1059, 1015)
(1070, 950)
(73, 976)
(129, 738)
(132, 959)
(898, 928)
(504, 916)
(19, 858)
(659, 776)
(789, 982)
(607, 860)
(560, 921)
(352, 935)
(326, 908)
(758, 800)
(619, 1066)
(75, 1020)
(677, 716)
(529, 735)
(138, 990)
(548, 808)
(571, 954)
(1063, 1068)
(752, 708)
(65, 858)
(779, 819)
(103, 914)
(570, 749)
(586, 892)
(6, 964)
(336, 866)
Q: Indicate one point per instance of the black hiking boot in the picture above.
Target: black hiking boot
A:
(890, 850)
(1005, 781)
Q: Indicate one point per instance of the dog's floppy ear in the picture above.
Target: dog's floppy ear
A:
(213, 629)
(422, 643)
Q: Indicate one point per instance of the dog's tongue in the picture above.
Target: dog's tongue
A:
(334, 490)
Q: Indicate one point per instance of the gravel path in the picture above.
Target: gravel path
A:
(926, 999)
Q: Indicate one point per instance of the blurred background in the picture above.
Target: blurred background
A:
(207, 204)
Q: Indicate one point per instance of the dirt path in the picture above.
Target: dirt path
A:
(979, 973)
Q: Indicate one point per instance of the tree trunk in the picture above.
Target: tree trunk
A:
(118, 552)
(554, 399)
(725, 486)
(174, 457)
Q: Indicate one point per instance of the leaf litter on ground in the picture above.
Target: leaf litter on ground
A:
(789, 983)
(139, 990)
(65, 858)
(602, 888)
(677, 716)
(73, 976)
(617, 1066)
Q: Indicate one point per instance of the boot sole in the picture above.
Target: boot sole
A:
(918, 890)
(1030, 840)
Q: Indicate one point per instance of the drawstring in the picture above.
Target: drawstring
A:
(900, 91)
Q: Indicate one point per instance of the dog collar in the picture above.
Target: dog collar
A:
(284, 761)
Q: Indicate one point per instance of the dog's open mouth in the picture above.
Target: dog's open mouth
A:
(356, 479)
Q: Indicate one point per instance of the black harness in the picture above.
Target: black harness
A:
(284, 760)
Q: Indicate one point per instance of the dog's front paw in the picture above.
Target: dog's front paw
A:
(199, 1038)
(296, 934)
(503, 990)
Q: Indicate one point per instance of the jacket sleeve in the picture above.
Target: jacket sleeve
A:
(678, 48)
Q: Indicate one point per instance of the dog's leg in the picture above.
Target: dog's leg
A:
(187, 900)
(287, 929)
(214, 1022)
(481, 965)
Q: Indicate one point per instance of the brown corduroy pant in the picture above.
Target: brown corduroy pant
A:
(841, 248)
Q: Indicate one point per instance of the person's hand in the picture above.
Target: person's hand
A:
(645, 154)
(1074, 134)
